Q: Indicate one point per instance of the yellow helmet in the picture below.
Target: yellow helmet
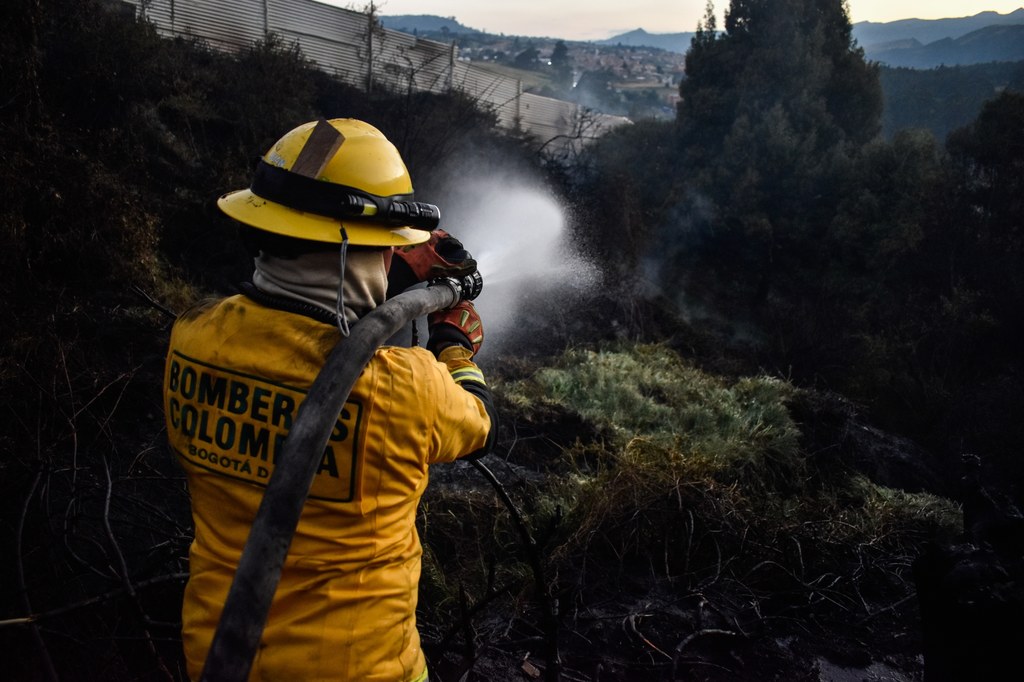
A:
(327, 175)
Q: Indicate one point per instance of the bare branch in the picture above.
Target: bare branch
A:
(48, 669)
(91, 601)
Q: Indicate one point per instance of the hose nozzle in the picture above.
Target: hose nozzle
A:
(471, 285)
(464, 287)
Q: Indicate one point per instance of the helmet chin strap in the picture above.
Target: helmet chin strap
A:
(339, 311)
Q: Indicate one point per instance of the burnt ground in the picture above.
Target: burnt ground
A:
(101, 545)
(664, 636)
(642, 625)
(617, 614)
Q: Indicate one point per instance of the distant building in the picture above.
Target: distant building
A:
(362, 53)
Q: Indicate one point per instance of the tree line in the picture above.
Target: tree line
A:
(777, 219)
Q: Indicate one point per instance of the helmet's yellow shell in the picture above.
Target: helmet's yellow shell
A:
(365, 160)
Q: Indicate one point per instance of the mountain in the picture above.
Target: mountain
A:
(943, 99)
(869, 34)
(990, 44)
(424, 23)
(673, 42)
(914, 43)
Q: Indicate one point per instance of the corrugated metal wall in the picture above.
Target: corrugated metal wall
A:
(335, 40)
(341, 43)
(231, 23)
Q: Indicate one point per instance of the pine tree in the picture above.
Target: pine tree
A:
(561, 67)
(771, 112)
(797, 54)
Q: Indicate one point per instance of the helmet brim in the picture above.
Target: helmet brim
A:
(255, 211)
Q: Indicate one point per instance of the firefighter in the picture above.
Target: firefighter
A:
(329, 210)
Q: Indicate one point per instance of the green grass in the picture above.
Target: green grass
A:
(649, 393)
(702, 479)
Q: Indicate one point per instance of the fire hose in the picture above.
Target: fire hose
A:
(259, 570)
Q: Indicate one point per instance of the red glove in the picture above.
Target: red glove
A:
(459, 325)
(441, 256)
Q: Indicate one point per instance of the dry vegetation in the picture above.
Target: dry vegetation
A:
(646, 518)
(686, 531)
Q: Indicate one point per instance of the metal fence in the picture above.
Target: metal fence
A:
(348, 45)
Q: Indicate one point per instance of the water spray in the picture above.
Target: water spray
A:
(517, 232)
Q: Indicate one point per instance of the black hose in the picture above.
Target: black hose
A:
(259, 569)
(549, 607)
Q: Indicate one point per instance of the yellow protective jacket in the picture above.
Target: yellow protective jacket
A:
(345, 608)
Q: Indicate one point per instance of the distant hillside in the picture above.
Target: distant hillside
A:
(989, 44)
(914, 43)
(945, 98)
(424, 23)
(674, 42)
(925, 31)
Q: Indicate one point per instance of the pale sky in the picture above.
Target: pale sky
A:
(599, 19)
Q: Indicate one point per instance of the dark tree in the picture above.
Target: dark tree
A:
(527, 59)
(771, 112)
(795, 54)
(988, 157)
(561, 67)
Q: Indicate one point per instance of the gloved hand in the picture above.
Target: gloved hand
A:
(459, 325)
(441, 256)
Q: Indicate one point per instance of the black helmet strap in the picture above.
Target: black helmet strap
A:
(339, 201)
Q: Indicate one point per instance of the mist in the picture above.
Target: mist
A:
(518, 232)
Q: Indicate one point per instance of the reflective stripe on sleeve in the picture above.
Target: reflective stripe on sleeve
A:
(468, 374)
